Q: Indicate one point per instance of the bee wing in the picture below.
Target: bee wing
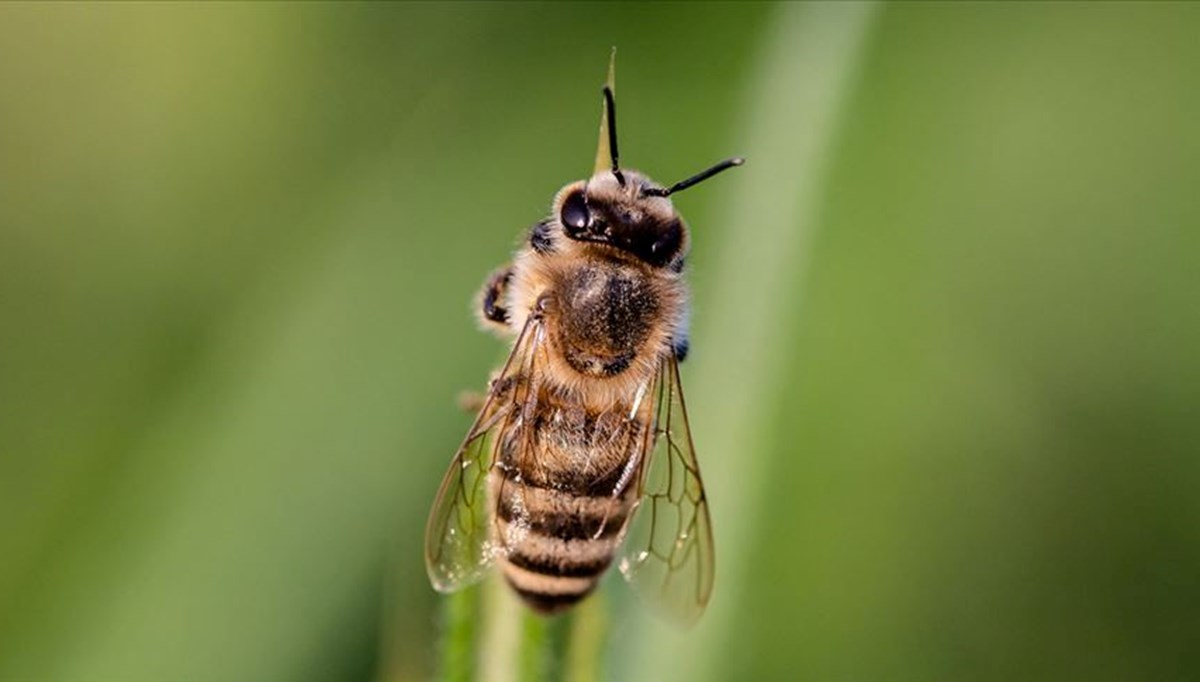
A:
(667, 553)
(459, 545)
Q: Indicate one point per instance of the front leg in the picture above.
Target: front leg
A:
(680, 346)
(493, 301)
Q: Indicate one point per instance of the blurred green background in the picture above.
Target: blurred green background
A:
(945, 368)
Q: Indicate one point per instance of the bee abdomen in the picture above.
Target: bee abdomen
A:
(560, 566)
(558, 543)
(550, 581)
(565, 516)
(549, 597)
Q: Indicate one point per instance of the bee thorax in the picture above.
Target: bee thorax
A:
(605, 317)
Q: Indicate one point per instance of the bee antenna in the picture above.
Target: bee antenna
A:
(697, 178)
(611, 106)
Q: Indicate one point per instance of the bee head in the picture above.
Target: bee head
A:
(603, 211)
(626, 210)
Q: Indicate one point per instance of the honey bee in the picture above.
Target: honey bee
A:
(581, 453)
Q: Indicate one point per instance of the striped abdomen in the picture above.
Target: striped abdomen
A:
(559, 513)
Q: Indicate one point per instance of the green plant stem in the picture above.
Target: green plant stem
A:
(586, 641)
(458, 635)
(544, 644)
(514, 643)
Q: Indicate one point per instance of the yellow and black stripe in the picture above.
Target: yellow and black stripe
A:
(559, 529)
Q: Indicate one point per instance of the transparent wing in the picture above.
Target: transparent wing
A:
(668, 550)
(459, 546)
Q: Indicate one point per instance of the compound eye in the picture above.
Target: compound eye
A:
(574, 215)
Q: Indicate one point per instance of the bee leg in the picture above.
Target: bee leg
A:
(492, 311)
(540, 236)
(471, 401)
(680, 346)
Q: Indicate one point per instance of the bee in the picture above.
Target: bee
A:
(581, 455)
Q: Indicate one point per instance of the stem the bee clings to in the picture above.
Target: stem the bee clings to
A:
(603, 152)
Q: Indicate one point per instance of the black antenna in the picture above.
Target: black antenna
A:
(698, 177)
(612, 134)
